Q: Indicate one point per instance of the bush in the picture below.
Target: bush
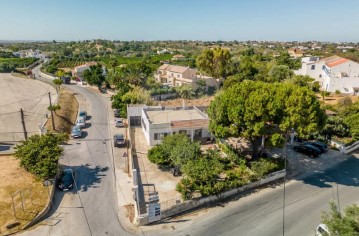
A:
(39, 155)
(264, 166)
(277, 140)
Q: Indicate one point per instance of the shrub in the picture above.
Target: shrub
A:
(39, 155)
(277, 140)
(264, 166)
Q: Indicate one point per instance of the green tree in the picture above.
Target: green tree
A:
(278, 73)
(175, 150)
(185, 91)
(94, 75)
(39, 155)
(137, 96)
(337, 92)
(214, 62)
(252, 109)
(339, 224)
(324, 94)
(285, 59)
(58, 83)
(60, 73)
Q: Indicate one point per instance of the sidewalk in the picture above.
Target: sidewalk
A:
(123, 180)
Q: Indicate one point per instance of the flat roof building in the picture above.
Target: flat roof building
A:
(159, 122)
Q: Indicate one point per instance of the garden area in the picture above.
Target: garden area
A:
(209, 172)
(8, 65)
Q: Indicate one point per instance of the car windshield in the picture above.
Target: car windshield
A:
(82, 113)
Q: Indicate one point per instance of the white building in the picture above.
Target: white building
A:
(333, 73)
(158, 122)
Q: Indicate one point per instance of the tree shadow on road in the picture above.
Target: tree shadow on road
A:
(88, 177)
(345, 173)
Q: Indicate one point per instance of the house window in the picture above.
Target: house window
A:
(171, 74)
(312, 67)
(198, 133)
(160, 136)
(178, 76)
(183, 131)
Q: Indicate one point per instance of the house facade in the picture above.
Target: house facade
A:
(332, 73)
(174, 76)
(159, 122)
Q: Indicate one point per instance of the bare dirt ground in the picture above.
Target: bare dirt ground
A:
(333, 98)
(66, 116)
(205, 101)
(34, 194)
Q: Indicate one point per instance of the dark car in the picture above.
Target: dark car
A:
(300, 139)
(321, 146)
(116, 113)
(67, 180)
(308, 150)
(119, 140)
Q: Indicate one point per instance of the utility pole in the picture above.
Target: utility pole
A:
(23, 123)
(52, 113)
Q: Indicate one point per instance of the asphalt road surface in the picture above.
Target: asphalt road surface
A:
(261, 213)
(91, 208)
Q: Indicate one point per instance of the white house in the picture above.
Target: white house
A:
(158, 122)
(332, 73)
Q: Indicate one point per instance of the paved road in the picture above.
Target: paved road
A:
(92, 209)
(261, 212)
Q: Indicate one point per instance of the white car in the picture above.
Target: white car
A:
(119, 122)
(81, 122)
(322, 230)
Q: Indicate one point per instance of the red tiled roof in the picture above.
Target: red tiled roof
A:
(337, 62)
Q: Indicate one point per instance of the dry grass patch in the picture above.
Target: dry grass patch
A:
(188, 102)
(34, 194)
(66, 116)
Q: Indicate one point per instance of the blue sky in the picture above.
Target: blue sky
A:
(282, 20)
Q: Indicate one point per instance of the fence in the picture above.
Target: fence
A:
(162, 97)
(345, 149)
(173, 207)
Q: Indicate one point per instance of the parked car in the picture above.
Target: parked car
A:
(83, 114)
(119, 140)
(322, 230)
(80, 122)
(76, 132)
(321, 146)
(116, 113)
(299, 139)
(119, 122)
(67, 180)
(308, 150)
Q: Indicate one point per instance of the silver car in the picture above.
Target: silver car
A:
(76, 132)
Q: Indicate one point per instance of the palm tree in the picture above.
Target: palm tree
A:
(324, 94)
(57, 83)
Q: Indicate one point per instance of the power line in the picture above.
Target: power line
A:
(25, 100)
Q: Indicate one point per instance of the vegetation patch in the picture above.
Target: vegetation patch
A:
(65, 117)
(210, 172)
